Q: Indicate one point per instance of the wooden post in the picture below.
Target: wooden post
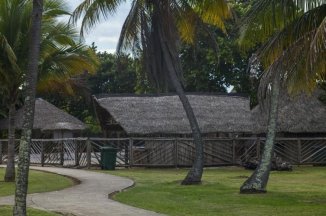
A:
(175, 142)
(0, 152)
(126, 148)
(76, 153)
(258, 148)
(131, 152)
(299, 151)
(88, 153)
(42, 154)
(62, 153)
(233, 151)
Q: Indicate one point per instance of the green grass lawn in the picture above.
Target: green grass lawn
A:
(38, 182)
(7, 211)
(301, 192)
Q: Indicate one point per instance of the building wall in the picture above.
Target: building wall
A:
(62, 134)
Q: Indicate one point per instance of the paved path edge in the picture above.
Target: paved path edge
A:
(83, 205)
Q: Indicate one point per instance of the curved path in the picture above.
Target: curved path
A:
(89, 198)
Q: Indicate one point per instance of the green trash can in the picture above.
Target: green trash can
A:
(108, 157)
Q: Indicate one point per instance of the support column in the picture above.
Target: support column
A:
(131, 152)
(42, 154)
(1, 152)
(88, 153)
(299, 152)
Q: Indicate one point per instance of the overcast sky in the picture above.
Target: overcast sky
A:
(106, 33)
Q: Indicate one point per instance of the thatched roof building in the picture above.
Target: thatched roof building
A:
(164, 114)
(300, 114)
(47, 118)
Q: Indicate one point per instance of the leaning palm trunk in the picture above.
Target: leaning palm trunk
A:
(28, 118)
(258, 180)
(166, 33)
(195, 174)
(10, 169)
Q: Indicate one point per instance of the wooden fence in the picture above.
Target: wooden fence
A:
(168, 152)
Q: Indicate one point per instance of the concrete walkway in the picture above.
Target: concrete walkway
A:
(90, 198)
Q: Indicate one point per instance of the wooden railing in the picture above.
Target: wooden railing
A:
(168, 152)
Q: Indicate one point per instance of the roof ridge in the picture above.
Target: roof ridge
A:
(105, 95)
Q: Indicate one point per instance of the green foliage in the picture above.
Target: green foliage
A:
(301, 192)
(62, 55)
(201, 72)
(292, 33)
(114, 75)
(140, 31)
(209, 70)
(38, 182)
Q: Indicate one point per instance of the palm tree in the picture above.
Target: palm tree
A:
(61, 57)
(294, 54)
(152, 30)
(10, 69)
(28, 118)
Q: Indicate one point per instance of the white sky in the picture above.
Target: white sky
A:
(106, 33)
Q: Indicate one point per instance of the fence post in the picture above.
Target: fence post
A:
(76, 153)
(176, 153)
(233, 151)
(126, 149)
(131, 152)
(88, 153)
(61, 152)
(42, 154)
(0, 152)
(258, 149)
(299, 151)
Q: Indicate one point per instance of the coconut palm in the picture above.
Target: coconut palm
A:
(28, 118)
(13, 28)
(49, 54)
(293, 34)
(152, 31)
(61, 57)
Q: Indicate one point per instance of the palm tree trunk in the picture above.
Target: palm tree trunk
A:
(10, 169)
(29, 105)
(195, 173)
(173, 64)
(257, 182)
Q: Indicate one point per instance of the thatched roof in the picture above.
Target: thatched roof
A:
(164, 114)
(300, 114)
(48, 118)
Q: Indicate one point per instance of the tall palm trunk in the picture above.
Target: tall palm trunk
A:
(10, 169)
(28, 118)
(166, 30)
(195, 173)
(258, 180)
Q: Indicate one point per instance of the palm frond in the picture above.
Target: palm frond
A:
(54, 8)
(7, 50)
(213, 12)
(132, 27)
(265, 18)
(301, 49)
(93, 11)
(316, 54)
(61, 54)
(308, 22)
